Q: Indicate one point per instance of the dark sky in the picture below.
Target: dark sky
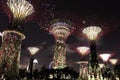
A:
(105, 14)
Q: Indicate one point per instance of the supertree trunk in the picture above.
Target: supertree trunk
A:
(83, 73)
(60, 55)
(10, 53)
(94, 69)
(60, 30)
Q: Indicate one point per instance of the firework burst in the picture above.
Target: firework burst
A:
(20, 8)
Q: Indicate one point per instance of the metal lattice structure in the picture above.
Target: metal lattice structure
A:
(60, 30)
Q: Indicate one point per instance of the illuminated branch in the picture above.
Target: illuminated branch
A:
(20, 8)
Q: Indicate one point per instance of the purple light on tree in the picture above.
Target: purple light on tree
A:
(60, 30)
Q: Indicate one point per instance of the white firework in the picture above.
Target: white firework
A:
(20, 8)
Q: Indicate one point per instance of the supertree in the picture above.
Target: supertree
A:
(12, 38)
(113, 62)
(83, 73)
(60, 30)
(106, 70)
(92, 33)
(33, 51)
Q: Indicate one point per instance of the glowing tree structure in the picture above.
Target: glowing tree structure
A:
(105, 57)
(33, 51)
(60, 30)
(12, 38)
(82, 50)
(92, 33)
(35, 64)
(113, 62)
(83, 73)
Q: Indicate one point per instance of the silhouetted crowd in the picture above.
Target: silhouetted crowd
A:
(50, 74)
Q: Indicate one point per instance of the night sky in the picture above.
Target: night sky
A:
(81, 13)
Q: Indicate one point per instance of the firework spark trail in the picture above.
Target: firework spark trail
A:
(20, 8)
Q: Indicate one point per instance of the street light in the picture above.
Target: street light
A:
(35, 64)
(35, 61)
(92, 33)
(33, 51)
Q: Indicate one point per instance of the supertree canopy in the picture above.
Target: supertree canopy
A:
(12, 38)
(20, 8)
(83, 50)
(113, 61)
(60, 30)
(83, 73)
(92, 32)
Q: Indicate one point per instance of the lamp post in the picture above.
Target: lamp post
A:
(105, 57)
(12, 38)
(35, 64)
(92, 33)
(60, 30)
(33, 51)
